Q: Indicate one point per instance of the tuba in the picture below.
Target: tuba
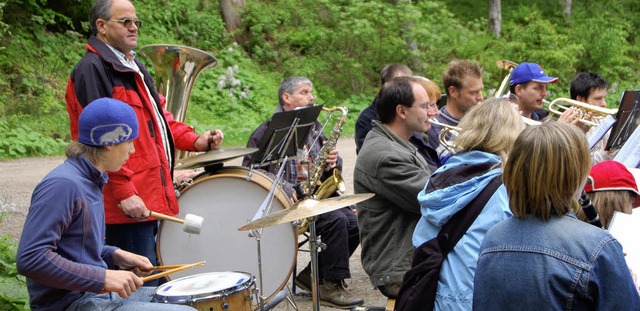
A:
(177, 68)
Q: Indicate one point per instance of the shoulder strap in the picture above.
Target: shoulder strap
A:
(458, 225)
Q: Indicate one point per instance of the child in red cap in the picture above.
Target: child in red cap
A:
(611, 187)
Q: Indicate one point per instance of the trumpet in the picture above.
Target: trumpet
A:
(590, 115)
(446, 129)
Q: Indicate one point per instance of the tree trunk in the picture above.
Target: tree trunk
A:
(495, 17)
(231, 18)
(567, 11)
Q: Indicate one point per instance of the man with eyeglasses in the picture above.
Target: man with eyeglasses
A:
(391, 167)
(144, 183)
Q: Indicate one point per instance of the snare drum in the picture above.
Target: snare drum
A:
(229, 291)
(227, 200)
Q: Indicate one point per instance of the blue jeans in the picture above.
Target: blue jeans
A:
(138, 238)
(138, 301)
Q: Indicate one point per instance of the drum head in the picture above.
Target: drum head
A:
(202, 286)
(227, 200)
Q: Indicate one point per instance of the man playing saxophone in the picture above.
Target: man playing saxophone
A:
(338, 229)
(144, 183)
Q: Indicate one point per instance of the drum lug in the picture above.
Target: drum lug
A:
(225, 304)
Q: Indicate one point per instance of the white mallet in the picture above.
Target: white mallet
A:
(192, 223)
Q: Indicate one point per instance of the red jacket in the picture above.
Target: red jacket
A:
(147, 173)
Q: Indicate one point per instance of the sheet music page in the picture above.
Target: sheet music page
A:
(629, 154)
(601, 130)
(625, 228)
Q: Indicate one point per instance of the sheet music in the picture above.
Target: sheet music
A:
(629, 154)
(600, 131)
(625, 229)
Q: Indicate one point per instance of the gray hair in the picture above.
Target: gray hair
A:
(289, 85)
(101, 9)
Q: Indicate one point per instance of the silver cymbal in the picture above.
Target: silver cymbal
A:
(306, 208)
(214, 156)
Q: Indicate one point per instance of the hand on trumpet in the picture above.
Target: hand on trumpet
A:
(573, 116)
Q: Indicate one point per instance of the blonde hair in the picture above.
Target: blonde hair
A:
(610, 201)
(491, 126)
(547, 167)
(433, 90)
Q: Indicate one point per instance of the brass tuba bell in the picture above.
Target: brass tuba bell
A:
(177, 68)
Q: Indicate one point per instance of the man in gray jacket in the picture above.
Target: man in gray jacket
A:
(389, 166)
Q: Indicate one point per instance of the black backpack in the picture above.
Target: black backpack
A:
(420, 283)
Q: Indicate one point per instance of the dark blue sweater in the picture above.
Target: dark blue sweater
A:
(61, 250)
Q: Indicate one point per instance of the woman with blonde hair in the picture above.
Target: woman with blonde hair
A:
(544, 258)
(487, 133)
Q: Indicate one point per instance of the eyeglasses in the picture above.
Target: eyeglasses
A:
(427, 106)
(127, 22)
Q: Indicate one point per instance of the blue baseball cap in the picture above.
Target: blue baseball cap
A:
(526, 72)
(107, 121)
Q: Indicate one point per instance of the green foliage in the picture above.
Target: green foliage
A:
(341, 45)
(234, 96)
(13, 286)
(186, 22)
(20, 140)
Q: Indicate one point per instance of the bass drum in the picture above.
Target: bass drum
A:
(226, 200)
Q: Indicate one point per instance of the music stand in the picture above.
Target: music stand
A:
(628, 119)
(287, 132)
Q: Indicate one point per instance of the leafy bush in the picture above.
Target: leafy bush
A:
(340, 45)
(13, 286)
(19, 140)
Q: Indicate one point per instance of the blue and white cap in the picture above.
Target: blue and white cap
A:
(107, 121)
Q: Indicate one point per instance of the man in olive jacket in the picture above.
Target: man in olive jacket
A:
(390, 166)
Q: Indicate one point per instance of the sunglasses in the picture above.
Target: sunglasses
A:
(128, 21)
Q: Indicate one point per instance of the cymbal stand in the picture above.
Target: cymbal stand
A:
(314, 245)
(264, 210)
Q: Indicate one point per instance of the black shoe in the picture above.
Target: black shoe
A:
(303, 279)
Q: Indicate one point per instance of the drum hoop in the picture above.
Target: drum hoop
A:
(194, 298)
(262, 180)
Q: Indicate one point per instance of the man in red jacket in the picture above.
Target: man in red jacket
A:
(110, 69)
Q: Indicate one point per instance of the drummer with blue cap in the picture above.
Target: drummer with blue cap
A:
(62, 251)
(528, 83)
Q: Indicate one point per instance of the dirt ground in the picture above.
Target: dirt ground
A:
(19, 177)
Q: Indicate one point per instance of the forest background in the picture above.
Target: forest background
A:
(340, 44)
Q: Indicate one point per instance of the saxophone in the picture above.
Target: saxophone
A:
(313, 187)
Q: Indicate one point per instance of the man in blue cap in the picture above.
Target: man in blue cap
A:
(62, 251)
(529, 84)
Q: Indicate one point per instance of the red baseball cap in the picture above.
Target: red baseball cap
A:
(612, 175)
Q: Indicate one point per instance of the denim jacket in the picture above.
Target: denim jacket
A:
(560, 264)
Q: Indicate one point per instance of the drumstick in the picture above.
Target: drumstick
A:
(165, 217)
(170, 271)
(192, 223)
(166, 267)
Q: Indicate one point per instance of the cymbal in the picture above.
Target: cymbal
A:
(304, 209)
(214, 156)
